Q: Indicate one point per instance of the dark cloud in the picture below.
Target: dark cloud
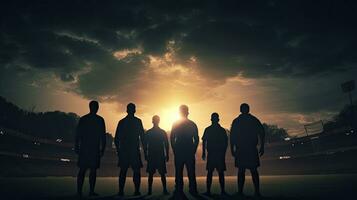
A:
(77, 40)
(275, 39)
(67, 77)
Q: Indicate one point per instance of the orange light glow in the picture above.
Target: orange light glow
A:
(168, 116)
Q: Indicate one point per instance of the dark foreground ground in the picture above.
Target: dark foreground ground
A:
(273, 187)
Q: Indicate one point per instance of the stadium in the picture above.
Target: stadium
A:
(74, 75)
(319, 153)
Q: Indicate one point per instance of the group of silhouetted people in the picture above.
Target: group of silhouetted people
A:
(130, 136)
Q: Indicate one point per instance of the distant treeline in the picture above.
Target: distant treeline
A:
(50, 125)
(274, 134)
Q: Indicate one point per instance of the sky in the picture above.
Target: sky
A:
(286, 59)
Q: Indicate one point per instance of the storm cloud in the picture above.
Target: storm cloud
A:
(116, 51)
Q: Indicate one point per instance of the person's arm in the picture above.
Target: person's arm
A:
(117, 137)
(173, 138)
(204, 140)
(78, 137)
(103, 138)
(262, 139)
(146, 145)
(196, 138)
(167, 148)
(233, 137)
(142, 138)
(225, 141)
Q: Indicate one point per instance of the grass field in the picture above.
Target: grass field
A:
(273, 187)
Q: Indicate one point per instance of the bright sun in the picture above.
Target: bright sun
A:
(168, 117)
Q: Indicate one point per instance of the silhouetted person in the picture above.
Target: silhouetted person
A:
(184, 141)
(90, 146)
(157, 149)
(215, 140)
(128, 136)
(244, 140)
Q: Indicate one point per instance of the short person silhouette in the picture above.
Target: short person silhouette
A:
(244, 140)
(157, 153)
(90, 144)
(215, 141)
(128, 137)
(184, 141)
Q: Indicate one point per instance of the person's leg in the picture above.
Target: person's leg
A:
(80, 180)
(221, 181)
(255, 178)
(209, 181)
(150, 180)
(191, 172)
(92, 180)
(137, 180)
(163, 181)
(122, 178)
(179, 175)
(241, 179)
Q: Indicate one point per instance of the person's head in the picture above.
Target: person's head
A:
(156, 120)
(184, 111)
(244, 108)
(93, 107)
(131, 109)
(214, 118)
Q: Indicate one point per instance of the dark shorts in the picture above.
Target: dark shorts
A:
(126, 160)
(247, 158)
(216, 161)
(89, 160)
(158, 164)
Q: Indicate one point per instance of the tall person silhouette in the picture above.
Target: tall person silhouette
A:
(157, 149)
(184, 141)
(215, 140)
(90, 144)
(244, 140)
(128, 136)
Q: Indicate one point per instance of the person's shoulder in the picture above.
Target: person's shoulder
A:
(254, 117)
(162, 131)
(176, 124)
(99, 117)
(191, 122)
(208, 128)
(222, 129)
(207, 131)
(123, 120)
(148, 132)
(137, 119)
(237, 119)
(223, 132)
(81, 120)
(85, 117)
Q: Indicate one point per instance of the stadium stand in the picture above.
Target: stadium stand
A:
(319, 153)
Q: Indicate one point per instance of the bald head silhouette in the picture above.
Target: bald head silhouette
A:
(131, 109)
(93, 107)
(244, 108)
(156, 120)
(184, 111)
(214, 118)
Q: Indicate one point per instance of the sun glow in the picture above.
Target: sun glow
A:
(168, 116)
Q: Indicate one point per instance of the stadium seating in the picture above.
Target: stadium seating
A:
(22, 155)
